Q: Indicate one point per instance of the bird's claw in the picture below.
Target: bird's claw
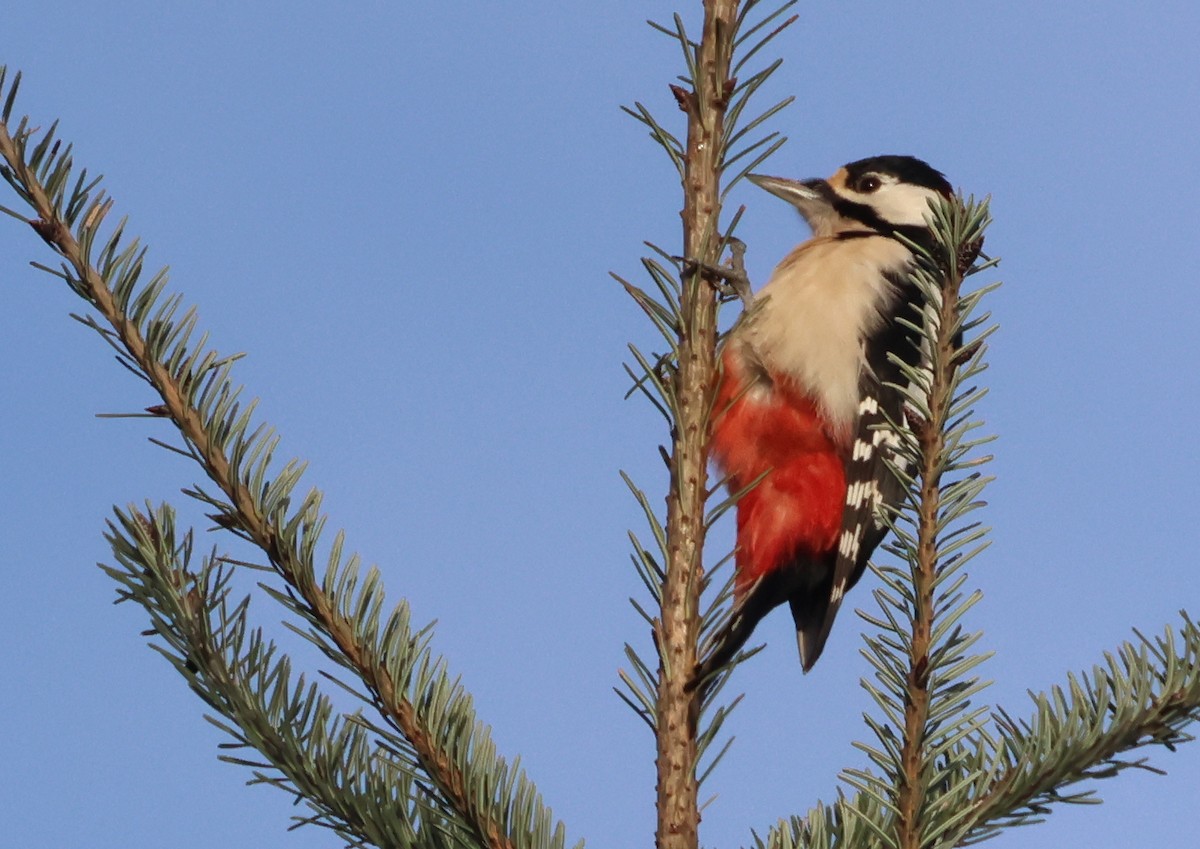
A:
(730, 280)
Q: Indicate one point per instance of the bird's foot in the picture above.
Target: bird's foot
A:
(729, 279)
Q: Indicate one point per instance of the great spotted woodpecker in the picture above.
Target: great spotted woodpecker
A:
(803, 401)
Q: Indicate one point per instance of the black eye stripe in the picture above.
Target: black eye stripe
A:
(870, 219)
(861, 213)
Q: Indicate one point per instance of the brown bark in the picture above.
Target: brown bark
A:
(705, 105)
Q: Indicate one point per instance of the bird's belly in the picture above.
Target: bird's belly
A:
(795, 511)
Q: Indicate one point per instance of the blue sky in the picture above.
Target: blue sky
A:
(406, 213)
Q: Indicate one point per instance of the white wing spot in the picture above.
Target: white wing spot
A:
(862, 492)
(848, 544)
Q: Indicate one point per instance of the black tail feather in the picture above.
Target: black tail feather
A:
(803, 583)
(813, 614)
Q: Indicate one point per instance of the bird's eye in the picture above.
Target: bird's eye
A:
(868, 184)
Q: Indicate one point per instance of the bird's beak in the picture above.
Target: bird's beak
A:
(813, 198)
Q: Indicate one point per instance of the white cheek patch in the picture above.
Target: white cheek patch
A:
(898, 203)
(904, 203)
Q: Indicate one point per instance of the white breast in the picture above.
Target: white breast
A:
(811, 319)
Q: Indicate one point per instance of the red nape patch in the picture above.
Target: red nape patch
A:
(797, 508)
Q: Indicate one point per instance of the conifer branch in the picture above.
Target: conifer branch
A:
(680, 384)
(1145, 694)
(705, 106)
(322, 758)
(933, 419)
(411, 689)
(922, 657)
(1013, 772)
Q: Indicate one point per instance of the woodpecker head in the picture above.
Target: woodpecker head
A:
(881, 194)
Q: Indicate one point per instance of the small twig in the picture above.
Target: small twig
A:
(51, 230)
(967, 255)
(685, 99)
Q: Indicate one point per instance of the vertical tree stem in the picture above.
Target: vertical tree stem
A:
(705, 105)
(932, 438)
